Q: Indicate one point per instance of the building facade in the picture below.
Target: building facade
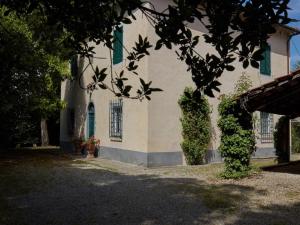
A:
(148, 133)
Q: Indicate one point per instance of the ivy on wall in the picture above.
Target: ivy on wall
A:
(237, 135)
(196, 129)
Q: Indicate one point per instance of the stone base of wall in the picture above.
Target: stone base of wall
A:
(213, 156)
(264, 153)
(152, 159)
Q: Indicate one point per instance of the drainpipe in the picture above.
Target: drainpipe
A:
(289, 50)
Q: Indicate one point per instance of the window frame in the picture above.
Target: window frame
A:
(266, 127)
(116, 120)
(93, 112)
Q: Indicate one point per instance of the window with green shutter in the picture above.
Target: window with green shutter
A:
(118, 46)
(91, 120)
(265, 64)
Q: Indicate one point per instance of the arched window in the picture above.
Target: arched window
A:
(91, 120)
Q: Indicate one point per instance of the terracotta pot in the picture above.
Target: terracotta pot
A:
(91, 149)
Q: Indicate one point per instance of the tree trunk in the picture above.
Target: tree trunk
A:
(44, 132)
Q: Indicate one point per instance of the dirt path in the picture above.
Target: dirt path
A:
(50, 188)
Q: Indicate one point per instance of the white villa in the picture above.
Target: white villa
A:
(148, 133)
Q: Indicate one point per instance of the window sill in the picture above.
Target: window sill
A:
(267, 75)
(116, 139)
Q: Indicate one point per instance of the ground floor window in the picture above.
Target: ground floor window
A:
(116, 117)
(266, 127)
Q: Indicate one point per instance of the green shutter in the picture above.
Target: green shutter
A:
(91, 120)
(265, 64)
(118, 46)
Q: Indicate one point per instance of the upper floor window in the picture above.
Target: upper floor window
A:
(118, 45)
(266, 127)
(265, 64)
(116, 118)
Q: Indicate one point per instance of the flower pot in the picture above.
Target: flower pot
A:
(91, 148)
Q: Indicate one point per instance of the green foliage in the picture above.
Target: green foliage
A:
(195, 126)
(30, 78)
(279, 140)
(237, 138)
(236, 30)
(295, 137)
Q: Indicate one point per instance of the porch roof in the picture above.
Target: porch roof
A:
(281, 96)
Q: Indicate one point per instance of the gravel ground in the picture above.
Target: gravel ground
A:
(47, 188)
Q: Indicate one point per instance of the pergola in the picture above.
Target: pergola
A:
(281, 96)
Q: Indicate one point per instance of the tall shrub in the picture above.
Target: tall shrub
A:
(295, 137)
(237, 135)
(195, 122)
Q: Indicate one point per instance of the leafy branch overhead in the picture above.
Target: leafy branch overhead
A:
(235, 29)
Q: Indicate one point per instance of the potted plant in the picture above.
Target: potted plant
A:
(92, 145)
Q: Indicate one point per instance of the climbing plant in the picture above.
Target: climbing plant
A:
(195, 122)
(237, 135)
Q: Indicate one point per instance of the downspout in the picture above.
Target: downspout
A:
(289, 50)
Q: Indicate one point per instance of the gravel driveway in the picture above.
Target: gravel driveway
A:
(48, 188)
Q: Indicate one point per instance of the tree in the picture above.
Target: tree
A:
(30, 77)
(236, 29)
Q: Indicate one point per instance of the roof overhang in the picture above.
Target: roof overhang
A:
(291, 30)
(281, 96)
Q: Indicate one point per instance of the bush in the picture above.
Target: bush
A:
(195, 126)
(295, 137)
(237, 138)
(280, 141)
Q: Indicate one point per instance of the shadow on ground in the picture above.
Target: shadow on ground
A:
(43, 188)
(292, 168)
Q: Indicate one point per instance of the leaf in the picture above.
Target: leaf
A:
(126, 21)
(127, 89)
(158, 45)
(254, 64)
(102, 86)
(156, 89)
(102, 77)
(142, 82)
(230, 68)
(245, 63)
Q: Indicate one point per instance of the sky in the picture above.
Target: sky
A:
(295, 43)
